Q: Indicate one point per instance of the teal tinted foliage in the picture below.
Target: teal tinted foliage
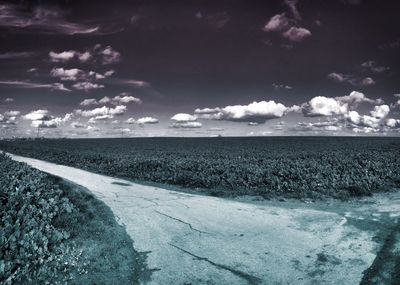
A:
(300, 167)
(31, 247)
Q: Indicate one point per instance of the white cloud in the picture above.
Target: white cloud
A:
(42, 115)
(130, 121)
(147, 120)
(324, 106)
(62, 56)
(254, 112)
(9, 100)
(277, 23)
(183, 117)
(187, 125)
(296, 34)
(367, 81)
(85, 56)
(126, 99)
(109, 55)
(104, 100)
(72, 74)
(380, 112)
(355, 98)
(88, 102)
(103, 112)
(392, 123)
(351, 79)
(87, 86)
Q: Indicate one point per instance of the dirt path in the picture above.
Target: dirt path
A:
(192, 239)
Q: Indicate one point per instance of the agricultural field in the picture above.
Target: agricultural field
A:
(294, 167)
(54, 232)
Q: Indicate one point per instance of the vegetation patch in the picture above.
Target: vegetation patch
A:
(53, 232)
(294, 167)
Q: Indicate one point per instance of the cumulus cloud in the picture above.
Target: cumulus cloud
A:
(130, 121)
(41, 114)
(324, 106)
(296, 34)
(392, 123)
(87, 86)
(147, 120)
(104, 100)
(72, 74)
(355, 98)
(380, 112)
(32, 85)
(42, 119)
(277, 23)
(183, 117)
(254, 112)
(124, 98)
(108, 54)
(88, 102)
(102, 113)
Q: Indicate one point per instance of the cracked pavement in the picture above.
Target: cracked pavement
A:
(193, 239)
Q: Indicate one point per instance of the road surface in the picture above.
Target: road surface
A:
(193, 239)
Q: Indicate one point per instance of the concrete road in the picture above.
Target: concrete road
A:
(193, 239)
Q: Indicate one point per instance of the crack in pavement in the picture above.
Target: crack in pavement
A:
(249, 278)
(183, 222)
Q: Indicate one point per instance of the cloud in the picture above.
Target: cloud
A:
(292, 6)
(254, 112)
(31, 85)
(42, 119)
(62, 56)
(102, 113)
(12, 113)
(88, 102)
(147, 120)
(132, 83)
(17, 55)
(296, 34)
(277, 23)
(187, 125)
(87, 86)
(104, 100)
(130, 121)
(77, 125)
(392, 123)
(108, 54)
(9, 100)
(380, 112)
(98, 54)
(67, 74)
(281, 86)
(42, 20)
(351, 79)
(324, 106)
(41, 114)
(125, 99)
(185, 121)
(218, 20)
(355, 98)
(183, 117)
(371, 65)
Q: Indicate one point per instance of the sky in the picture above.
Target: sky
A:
(199, 68)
